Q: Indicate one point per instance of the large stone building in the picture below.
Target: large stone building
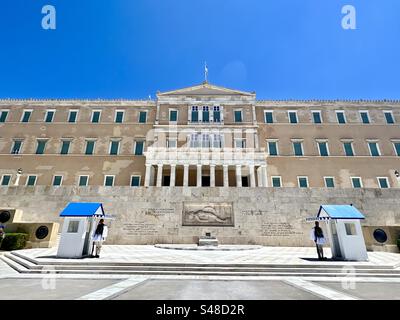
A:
(253, 169)
(201, 136)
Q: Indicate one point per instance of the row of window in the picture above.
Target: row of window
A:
(73, 116)
(204, 115)
(83, 180)
(340, 116)
(89, 147)
(323, 148)
(356, 182)
(276, 181)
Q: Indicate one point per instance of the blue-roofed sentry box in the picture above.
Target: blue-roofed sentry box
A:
(80, 221)
(344, 231)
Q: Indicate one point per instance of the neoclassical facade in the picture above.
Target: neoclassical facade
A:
(201, 136)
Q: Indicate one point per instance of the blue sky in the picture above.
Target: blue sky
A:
(286, 49)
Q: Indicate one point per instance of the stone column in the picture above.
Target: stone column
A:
(159, 175)
(238, 176)
(199, 175)
(252, 176)
(147, 176)
(259, 178)
(226, 177)
(212, 175)
(185, 175)
(264, 176)
(173, 171)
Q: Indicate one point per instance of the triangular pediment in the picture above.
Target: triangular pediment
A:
(205, 89)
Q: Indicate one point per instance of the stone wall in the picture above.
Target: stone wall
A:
(267, 216)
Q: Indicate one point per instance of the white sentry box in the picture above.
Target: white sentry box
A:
(344, 231)
(80, 222)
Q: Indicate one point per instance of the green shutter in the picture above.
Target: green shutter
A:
(89, 147)
(3, 116)
(57, 180)
(65, 147)
(6, 180)
(31, 181)
(119, 117)
(96, 117)
(273, 150)
(139, 148)
(41, 144)
(26, 116)
(135, 182)
(49, 116)
(114, 147)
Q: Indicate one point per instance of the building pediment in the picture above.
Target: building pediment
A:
(205, 89)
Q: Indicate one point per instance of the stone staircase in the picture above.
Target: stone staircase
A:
(27, 265)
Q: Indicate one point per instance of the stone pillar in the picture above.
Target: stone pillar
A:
(238, 176)
(264, 176)
(259, 178)
(147, 176)
(226, 177)
(252, 176)
(199, 175)
(173, 171)
(185, 175)
(159, 175)
(212, 175)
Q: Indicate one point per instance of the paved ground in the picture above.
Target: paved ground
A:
(178, 287)
(264, 255)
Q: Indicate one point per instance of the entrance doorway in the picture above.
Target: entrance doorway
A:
(245, 181)
(166, 181)
(205, 181)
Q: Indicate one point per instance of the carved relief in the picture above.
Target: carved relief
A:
(210, 214)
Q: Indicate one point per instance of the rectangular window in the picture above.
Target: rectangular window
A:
(341, 118)
(329, 182)
(96, 114)
(73, 226)
(89, 150)
(83, 181)
(139, 148)
(205, 140)
(3, 115)
(5, 180)
(26, 115)
(114, 147)
(240, 143)
(65, 144)
(364, 117)
(217, 141)
(16, 148)
(135, 181)
(356, 182)
(397, 148)
(195, 140)
(206, 114)
(41, 146)
(49, 116)
(171, 143)
(317, 116)
(350, 229)
(303, 182)
(119, 116)
(72, 116)
(142, 116)
(273, 148)
(109, 181)
(298, 148)
(348, 149)
(293, 117)
(238, 116)
(374, 149)
(57, 180)
(269, 117)
(383, 182)
(173, 115)
(323, 149)
(217, 114)
(31, 181)
(389, 117)
(276, 182)
(195, 114)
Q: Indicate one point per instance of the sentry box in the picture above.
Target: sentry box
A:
(80, 222)
(344, 231)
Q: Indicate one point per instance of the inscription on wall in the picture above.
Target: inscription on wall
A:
(283, 229)
(159, 211)
(140, 229)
